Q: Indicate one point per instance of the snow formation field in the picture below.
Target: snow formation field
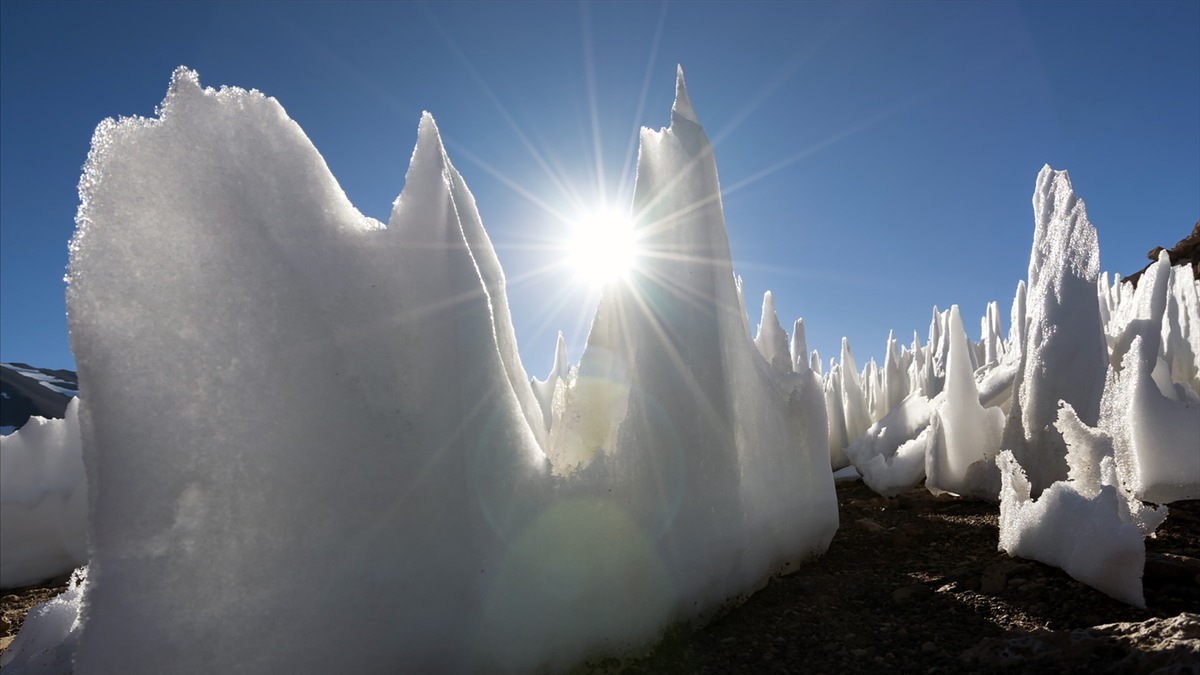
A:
(328, 419)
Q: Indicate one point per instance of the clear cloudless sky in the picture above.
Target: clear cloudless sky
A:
(876, 159)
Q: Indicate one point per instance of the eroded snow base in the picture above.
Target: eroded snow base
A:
(1088, 525)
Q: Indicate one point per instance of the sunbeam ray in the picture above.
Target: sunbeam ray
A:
(563, 187)
(589, 69)
(866, 123)
(785, 72)
(651, 63)
(507, 181)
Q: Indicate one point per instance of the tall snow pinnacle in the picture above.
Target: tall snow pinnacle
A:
(1065, 357)
(441, 203)
(800, 357)
(1064, 242)
(771, 341)
(682, 108)
(561, 366)
(426, 166)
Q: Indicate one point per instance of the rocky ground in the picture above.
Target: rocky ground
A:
(914, 584)
(16, 603)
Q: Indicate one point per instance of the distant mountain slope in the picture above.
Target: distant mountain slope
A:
(26, 391)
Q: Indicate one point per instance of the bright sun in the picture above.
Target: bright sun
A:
(602, 247)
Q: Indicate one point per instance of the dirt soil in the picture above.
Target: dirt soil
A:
(914, 584)
(16, 603)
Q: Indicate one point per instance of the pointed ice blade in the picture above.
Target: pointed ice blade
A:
(682, 108)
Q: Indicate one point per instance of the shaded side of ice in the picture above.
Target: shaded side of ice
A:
(217, 232)
(1154, 434)
(43, 500)
(961, 457)
(891, 455)
(771, 341)
(1088, 525)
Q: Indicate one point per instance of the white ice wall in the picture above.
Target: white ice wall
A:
(326, 420)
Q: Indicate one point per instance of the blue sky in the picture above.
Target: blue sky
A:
(877, 159)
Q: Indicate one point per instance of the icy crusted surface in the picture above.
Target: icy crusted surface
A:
(232, 492)
(1150, 407)
(1087, 525)
(1154, 433)
(227, 463)
(891, 455)
(1064, 352)
(48, 638)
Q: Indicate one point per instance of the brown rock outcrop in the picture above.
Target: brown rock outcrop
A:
(1185, 252)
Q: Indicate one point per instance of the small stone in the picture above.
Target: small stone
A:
(1161, 567)
(729, 640)
(994, 579)
(911, 593)
(868, 525)
(859, 653)
(991, 586)
(928, 647)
